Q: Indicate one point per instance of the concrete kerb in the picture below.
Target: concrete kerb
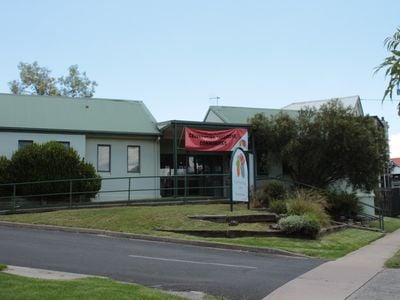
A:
(45, 274)
(152, 238)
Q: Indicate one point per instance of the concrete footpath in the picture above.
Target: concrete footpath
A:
(358, 275)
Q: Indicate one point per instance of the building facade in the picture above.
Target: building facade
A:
(120, 138)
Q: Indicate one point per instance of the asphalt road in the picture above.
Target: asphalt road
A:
(233, 274)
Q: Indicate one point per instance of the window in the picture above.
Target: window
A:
(133, 159)
(23, 143)
(65, 144)
(104, 158)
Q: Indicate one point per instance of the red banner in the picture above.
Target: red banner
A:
(216, 140)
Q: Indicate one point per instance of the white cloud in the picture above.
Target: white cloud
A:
(394, 143)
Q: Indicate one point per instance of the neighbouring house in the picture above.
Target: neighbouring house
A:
(395, 172)
(354, 102)
(120, 138)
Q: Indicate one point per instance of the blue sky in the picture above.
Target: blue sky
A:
(175, 55)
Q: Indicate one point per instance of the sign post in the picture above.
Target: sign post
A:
(239, 177)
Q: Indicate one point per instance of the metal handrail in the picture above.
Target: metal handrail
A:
(111, 178)
(70, 190)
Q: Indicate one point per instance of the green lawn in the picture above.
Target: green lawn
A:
(146, 220)
(17, 287)
(331, 246)
(393, 262)
(140, 219)
(391, 224)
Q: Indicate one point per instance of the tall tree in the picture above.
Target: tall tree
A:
(391, 65)
(76, 84)
(36, 80)
(326, 146)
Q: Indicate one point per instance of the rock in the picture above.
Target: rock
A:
(233, 223)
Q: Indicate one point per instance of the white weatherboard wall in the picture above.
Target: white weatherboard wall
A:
(9, 141)
(149, 166)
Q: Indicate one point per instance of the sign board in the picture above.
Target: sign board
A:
(216, 140)
(240, 176)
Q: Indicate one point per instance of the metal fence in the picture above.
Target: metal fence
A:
(49, 194)
(390, 201)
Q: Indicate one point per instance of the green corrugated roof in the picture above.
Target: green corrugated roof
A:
(76, 114)
(241, 115)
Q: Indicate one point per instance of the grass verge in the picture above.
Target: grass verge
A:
(17, 287)
(330, 246)
(391, 224)
(394, 261)
(146, 220)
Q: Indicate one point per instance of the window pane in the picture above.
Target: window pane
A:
(65, 144)
(133, 159)
(23, 143)
(103, 158)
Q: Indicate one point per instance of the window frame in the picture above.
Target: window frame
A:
(109, 157)
(139, 159)
(28, 142)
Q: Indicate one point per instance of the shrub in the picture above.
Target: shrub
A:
(309, 202)
(50, 161)
(275, 190)
(305, 225)
(90, 187)
(278, 207)
(272, 190)
(4, 167)
(343, 204)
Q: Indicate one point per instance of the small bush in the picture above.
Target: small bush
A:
(51, 161)
(272, 190)
(278, 207)
(275, 190)
(305, 225)
(4, 178)
(309, 202)
(89, 187)
(343, 204)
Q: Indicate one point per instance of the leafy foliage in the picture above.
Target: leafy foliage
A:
(36, 80)
(325, 146)
(4, 166)
(76, 84)
(305, 225)
(343, 204)
(271, 191)
(50, 161)
(309, 202)
(278, 206)
(391, 64)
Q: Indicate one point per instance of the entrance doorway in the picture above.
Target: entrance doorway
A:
(198, 174)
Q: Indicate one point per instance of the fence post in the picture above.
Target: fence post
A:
(129, 190)
(185, 184)
(70, 193)
(14, 200)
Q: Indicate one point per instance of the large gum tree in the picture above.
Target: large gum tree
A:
(323, 147)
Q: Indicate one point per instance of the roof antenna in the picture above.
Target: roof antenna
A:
(215, 98)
